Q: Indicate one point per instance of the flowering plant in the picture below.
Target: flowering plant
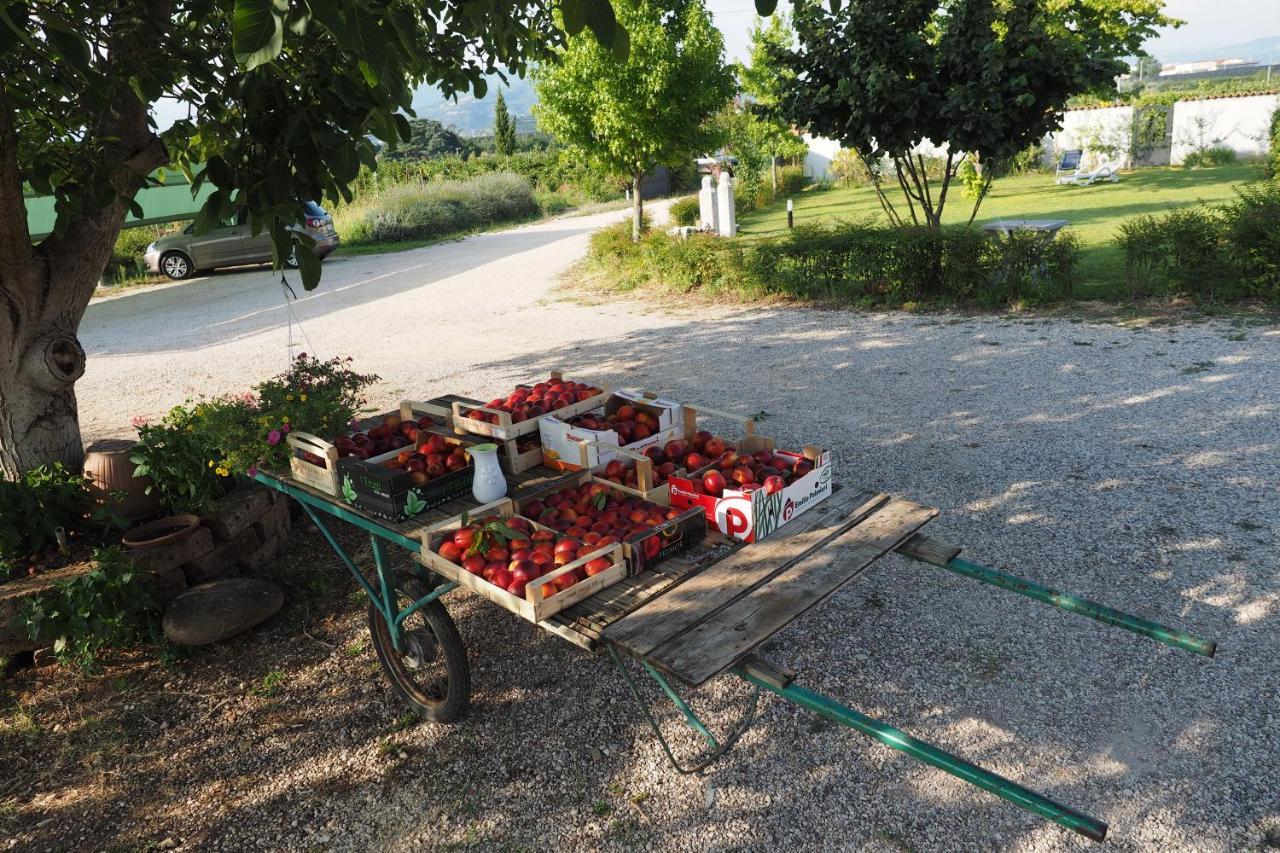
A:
(192, 454)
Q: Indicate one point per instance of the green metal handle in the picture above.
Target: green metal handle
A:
(973, 774)
(1083, 607)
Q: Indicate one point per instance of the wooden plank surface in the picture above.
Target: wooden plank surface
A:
(929, 550)
(704, 593)
(717, 642)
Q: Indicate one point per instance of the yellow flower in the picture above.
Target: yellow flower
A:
(289, 397)
(285, 419)
(190, 428)
(303, 398)
(210, 463)
(223, 472)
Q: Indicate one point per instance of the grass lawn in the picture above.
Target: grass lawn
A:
(1094, 212)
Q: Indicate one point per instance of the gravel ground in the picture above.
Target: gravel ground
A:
(1136, 466)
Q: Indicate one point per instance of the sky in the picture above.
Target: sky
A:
(1210, 24)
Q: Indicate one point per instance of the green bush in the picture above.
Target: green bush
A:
(1273, 158)
(861, 263)
(1209, 157)
(1252, 230)
(126, 263)
(33, 507)
(111, 606)
(791, 180)
(685, 211)
(1218, 253)
(420, 211)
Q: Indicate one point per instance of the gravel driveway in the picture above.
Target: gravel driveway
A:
(1135, 466)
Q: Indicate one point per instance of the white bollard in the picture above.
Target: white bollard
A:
(724, 200)
(707, 214)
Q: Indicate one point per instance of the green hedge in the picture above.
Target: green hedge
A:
(859, 263)
(1273, 160)
(545, 171)
(422, 210)
(1218, 253)
(685, 211)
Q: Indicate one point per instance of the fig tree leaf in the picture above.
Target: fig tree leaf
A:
(257, 32)
(574, 13)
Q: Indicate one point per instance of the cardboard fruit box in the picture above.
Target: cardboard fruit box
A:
(751, 514)
(642, 550)
(392, 493)
(506, 428)
(562, 441)
(542, 598)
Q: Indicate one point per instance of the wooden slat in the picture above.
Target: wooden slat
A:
(928, 550)
(717, 643)
(701, 595)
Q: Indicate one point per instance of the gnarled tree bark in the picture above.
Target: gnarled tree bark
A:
(45, 289)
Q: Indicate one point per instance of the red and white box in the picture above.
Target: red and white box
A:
(753, 514)
(562, 442)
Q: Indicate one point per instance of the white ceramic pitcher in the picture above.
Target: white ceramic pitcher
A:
(489, 483)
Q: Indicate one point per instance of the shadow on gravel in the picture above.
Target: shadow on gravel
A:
(234, 304)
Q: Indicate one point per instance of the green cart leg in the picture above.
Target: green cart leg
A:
(897, 739)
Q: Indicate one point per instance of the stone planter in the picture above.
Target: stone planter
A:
(161, 533)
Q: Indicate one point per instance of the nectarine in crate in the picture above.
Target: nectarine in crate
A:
(406, 482)
(518, 413)
(598, 514)
(632, 420)
(531, 570)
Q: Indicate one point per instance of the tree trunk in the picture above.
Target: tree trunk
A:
(637, 207)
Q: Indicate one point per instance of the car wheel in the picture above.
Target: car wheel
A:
(176, 265)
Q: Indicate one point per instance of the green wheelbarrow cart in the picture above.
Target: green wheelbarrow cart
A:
(699, 615)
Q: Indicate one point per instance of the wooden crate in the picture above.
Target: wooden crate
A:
(535, 606)
(675, 535)
(313, 461)
(505, 429)
(748, 442)
(645, 487)
(391, 493)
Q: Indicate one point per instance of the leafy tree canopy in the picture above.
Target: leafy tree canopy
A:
(428, 138)
(976, 76)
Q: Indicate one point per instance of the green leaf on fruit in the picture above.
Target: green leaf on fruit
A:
(348, 490)
(600, 500)
(414, 504)
(501, 530)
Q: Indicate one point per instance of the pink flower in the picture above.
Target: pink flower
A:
(273, 437)
(284, 428)
(253, 471)
(138, 420)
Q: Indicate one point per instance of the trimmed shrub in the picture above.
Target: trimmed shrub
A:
(791, 180)
(685, 211)
(1252, 230)
(1273, 160)
(1209, 157)
(1145, 255)
(418, 211)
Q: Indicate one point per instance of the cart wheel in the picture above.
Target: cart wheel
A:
(431, 673)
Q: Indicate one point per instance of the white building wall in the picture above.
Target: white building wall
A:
(817, 163)
(1102, 134)
(1241, 124)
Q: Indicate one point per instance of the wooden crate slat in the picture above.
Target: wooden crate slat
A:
(718, 642)
(701, 594)
(929, 550)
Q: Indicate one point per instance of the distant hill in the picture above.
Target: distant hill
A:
(1259, 50)
(472, 117)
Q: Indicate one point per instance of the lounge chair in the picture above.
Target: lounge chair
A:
(1070, 171)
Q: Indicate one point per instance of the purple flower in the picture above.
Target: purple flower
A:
(253, 471)
(273, 437)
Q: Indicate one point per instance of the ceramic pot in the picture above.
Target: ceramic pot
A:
(162, 531)
(489, 483)
(112, 484)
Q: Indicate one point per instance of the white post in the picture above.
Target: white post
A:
(724, 201)
(707, 213)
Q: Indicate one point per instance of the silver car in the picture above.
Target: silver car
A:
(231, 243)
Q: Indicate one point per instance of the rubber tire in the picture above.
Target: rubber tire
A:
(191, 268)
(458, 697)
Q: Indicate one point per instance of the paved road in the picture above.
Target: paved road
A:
(454, 316)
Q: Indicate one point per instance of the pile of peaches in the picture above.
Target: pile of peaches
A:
(749, 471)
(432, 457)
(667, 459)
(391, 434)
(631, 424)
(532, 402)
(511, 552)
(593, 513)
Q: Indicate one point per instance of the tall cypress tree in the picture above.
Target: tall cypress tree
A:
(504, 128)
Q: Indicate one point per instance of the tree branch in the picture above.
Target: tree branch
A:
(946, 184)
(902, 182)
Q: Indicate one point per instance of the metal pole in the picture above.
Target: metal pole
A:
(791, 214)
(897, 739)
(1083, 607)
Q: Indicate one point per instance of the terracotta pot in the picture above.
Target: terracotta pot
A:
(162, 531)
(109, 469)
